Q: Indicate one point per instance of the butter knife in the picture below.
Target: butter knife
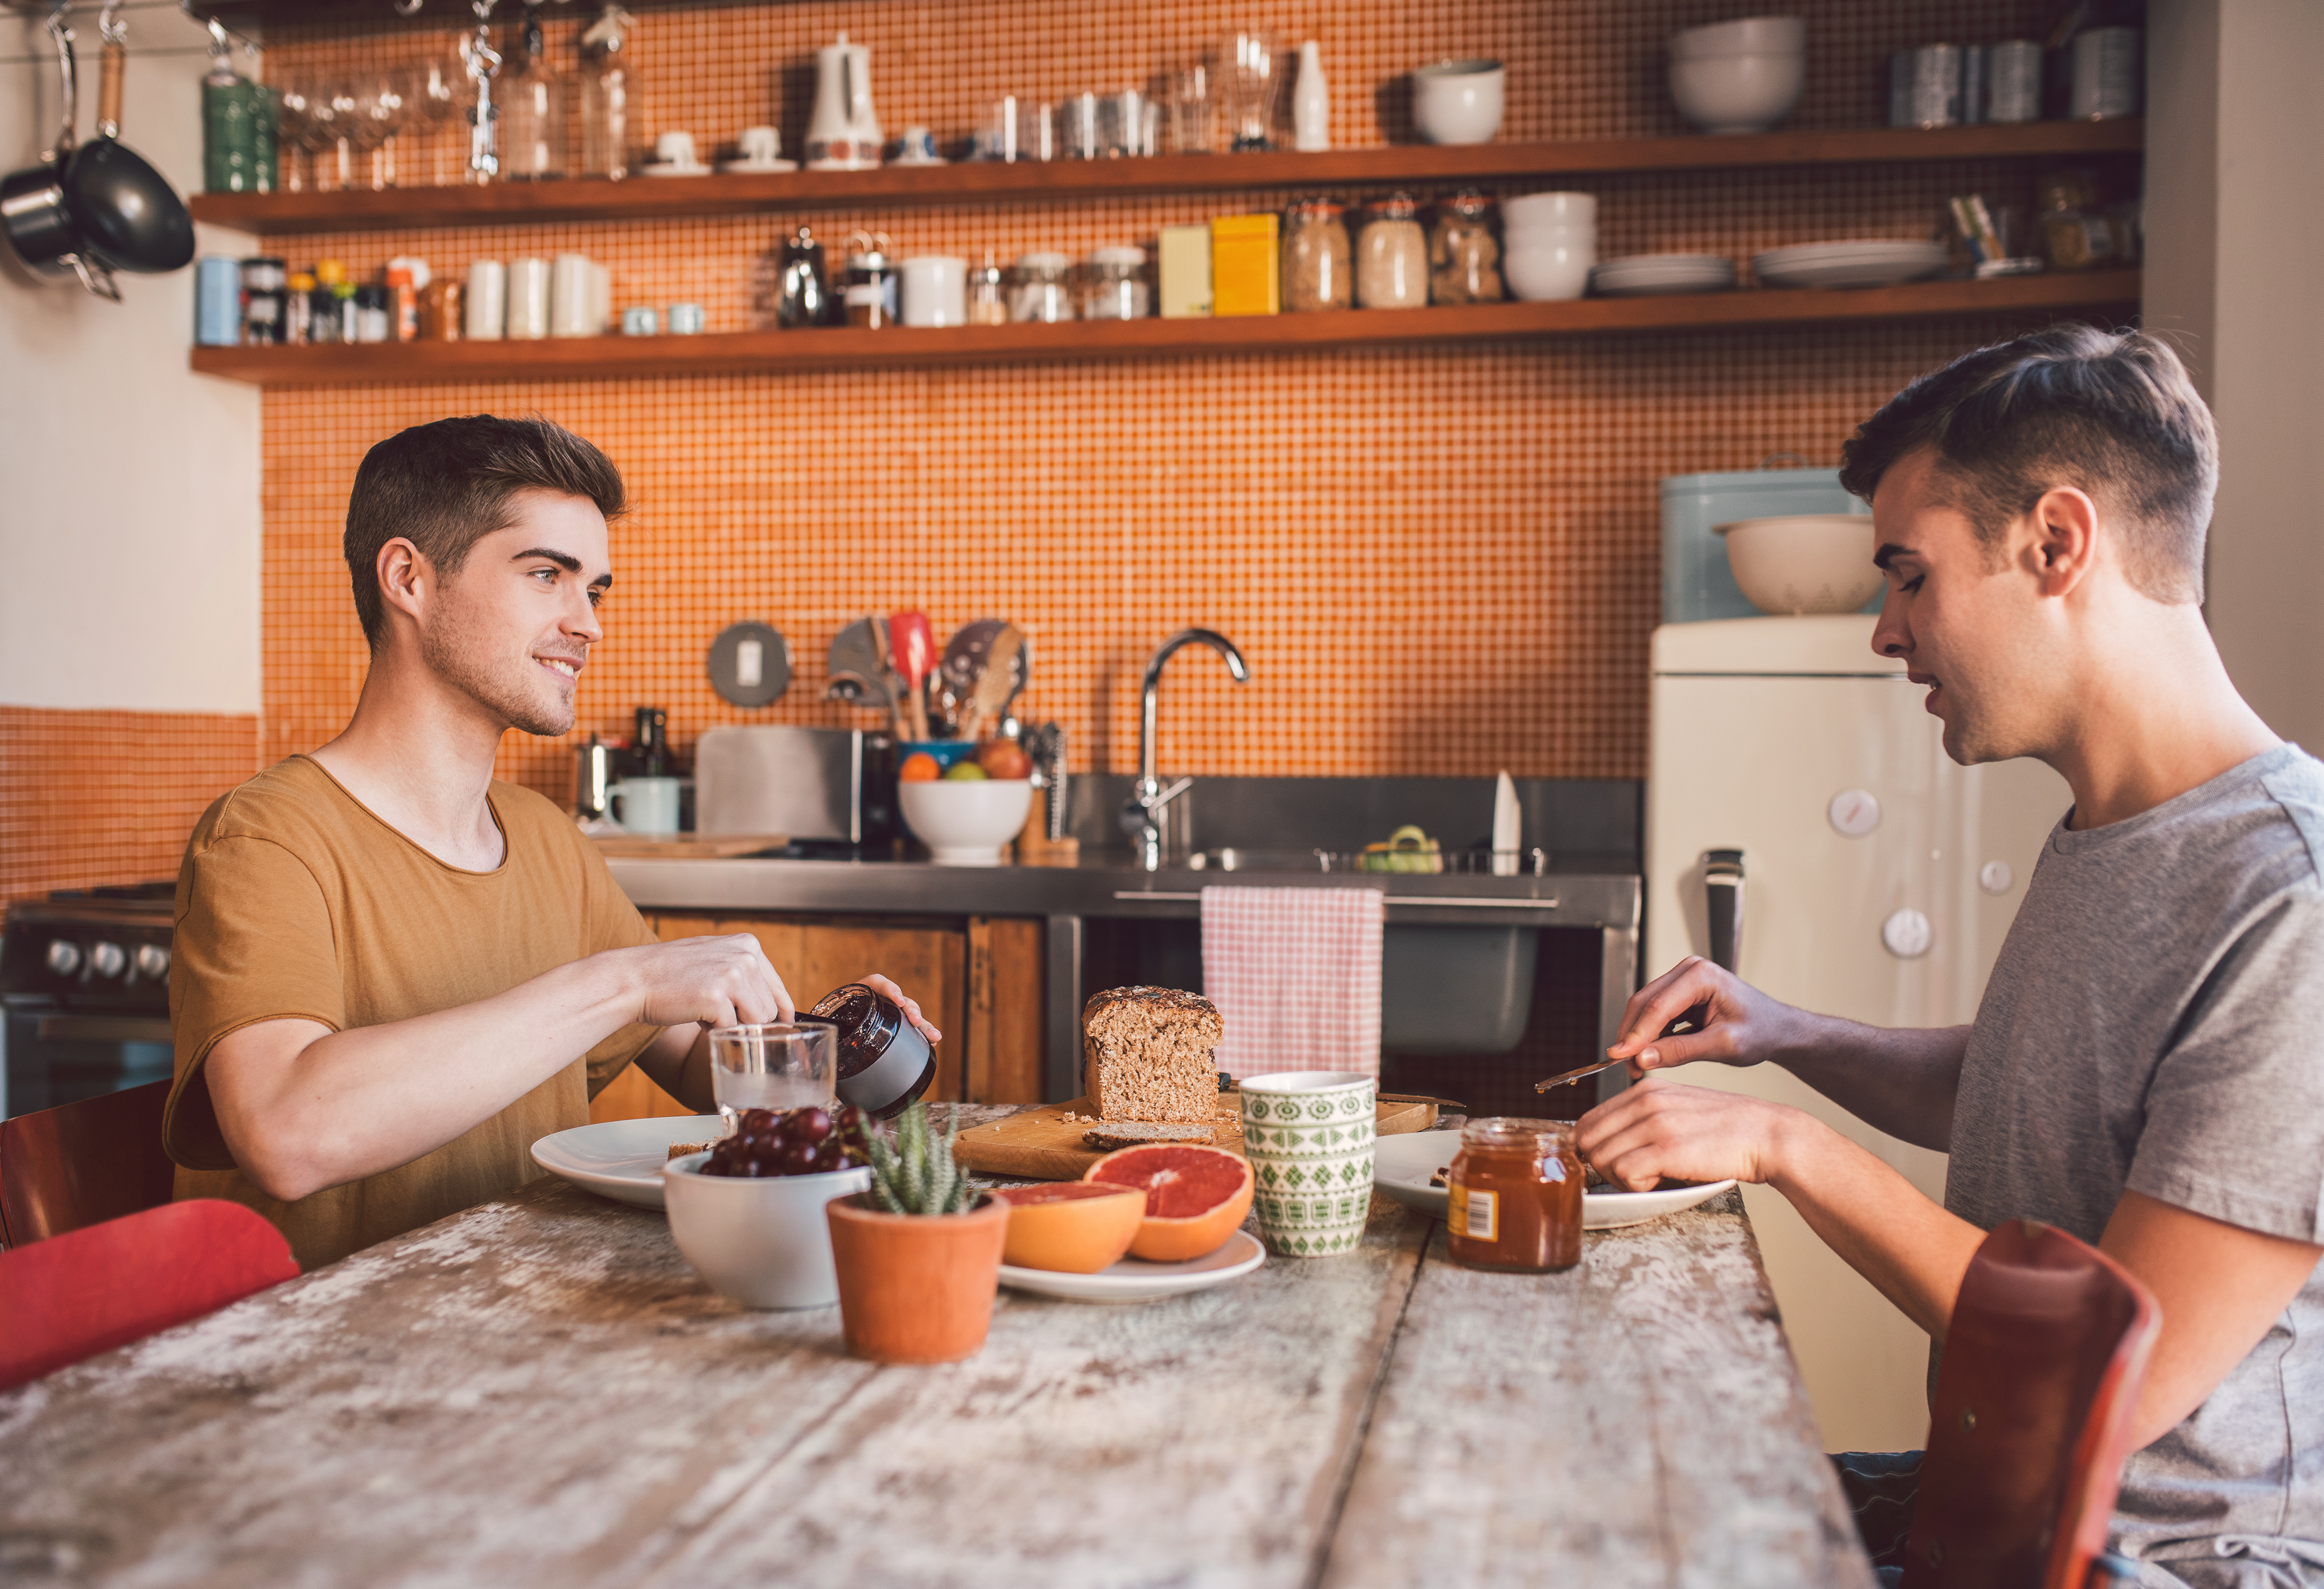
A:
(1688, 1020)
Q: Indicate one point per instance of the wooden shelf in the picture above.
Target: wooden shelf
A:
(761, 352)
(993, 182)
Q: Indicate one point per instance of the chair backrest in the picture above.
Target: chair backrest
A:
(2031, 1423)
(89, 1291)
(82, 1163)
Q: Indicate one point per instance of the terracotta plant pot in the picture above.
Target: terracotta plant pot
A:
(916, 1288)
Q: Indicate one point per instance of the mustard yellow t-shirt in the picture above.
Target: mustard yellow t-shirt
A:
(295, 900)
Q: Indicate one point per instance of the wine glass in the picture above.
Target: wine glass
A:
(380, 107)
(438, 95)
(299, 128)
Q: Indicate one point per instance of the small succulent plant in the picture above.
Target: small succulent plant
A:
(914, 1171)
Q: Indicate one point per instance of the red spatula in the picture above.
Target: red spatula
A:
(913, 645)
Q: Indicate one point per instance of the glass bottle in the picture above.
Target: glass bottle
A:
(532, 97)
(613, 125)
(1316, 256)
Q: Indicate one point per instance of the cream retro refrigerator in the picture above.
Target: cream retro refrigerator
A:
(1871, 878)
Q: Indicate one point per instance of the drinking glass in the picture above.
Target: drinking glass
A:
(1190, 108)
(782, 1065)
(309, 122)
(1251, 73)
(440, 97)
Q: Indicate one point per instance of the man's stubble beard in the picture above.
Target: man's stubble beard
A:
(470, 671)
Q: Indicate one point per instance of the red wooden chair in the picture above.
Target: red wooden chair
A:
(76, 1295)
(79, 1164)
(2031, 1423)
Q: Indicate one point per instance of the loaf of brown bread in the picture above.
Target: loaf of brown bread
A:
(1149, 1054)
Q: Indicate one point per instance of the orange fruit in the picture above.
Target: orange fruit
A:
(919, 768)
(1195, 1197)
(1070, 1225)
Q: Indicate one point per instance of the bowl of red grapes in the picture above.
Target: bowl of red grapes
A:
(790, 1142)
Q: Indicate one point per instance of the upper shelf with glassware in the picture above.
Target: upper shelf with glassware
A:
(998, 181)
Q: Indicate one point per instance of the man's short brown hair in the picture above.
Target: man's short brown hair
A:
(446, 486)
(2111, 413)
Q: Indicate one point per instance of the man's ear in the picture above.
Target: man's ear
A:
(2064, 545)
(406, 578)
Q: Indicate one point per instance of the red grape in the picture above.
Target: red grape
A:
(810, 1126)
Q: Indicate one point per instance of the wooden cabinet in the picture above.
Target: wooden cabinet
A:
(978, 979)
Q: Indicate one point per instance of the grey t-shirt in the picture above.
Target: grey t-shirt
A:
(2157, 1022)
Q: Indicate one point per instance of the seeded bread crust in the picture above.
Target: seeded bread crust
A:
(1148, 1052)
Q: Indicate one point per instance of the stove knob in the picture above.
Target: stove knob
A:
(107, 960)
(64, 956)
(152, 962)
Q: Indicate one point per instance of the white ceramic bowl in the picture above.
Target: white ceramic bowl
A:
(1803, 562)
(964, 823)
(761, 1240)
(1539, 271)
(1529, 210)
(1753, 36)
(1737, 93)
(1458, 101)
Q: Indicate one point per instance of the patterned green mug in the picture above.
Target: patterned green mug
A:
(1309, 1137)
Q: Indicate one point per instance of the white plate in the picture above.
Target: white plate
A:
(1133, 1280)
(1875, 264)
(622, 1159)
(1401, 1166)
(664, 168)
(756, 167)
(1650, 275)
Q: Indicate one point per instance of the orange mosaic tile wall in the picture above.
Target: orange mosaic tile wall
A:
(1438, 561)
(93, 797)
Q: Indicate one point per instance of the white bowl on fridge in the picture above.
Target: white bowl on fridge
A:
(1458, 101)
(1803, 562)
(966, 821)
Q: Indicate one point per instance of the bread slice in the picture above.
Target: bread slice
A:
(1149, 1054)
(1130, 1134)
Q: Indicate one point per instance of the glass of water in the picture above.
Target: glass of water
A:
(778, 1065)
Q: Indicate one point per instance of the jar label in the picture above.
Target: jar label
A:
(1474, 1215)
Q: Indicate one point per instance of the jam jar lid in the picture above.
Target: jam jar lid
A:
(866, 1020)
(1318, 206)
(1468, 201)
(1508, 1131)
(1118, 256)
(1396, 207)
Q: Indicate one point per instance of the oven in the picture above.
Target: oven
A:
(84, 983)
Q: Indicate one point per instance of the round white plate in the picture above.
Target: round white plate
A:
(665, 168)
(757, 168)
(1401, 1166)
(1133, 1280)
(1874, 263)
(622, 1159)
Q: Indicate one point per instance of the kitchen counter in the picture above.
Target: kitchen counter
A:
(539, 1389)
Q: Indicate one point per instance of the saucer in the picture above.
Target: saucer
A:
(755, 168)
(919, 159)
(663, 169)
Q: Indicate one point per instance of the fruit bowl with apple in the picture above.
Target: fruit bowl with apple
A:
(967, 812)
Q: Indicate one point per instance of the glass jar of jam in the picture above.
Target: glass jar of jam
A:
(1514, 1200)
(884, 1061)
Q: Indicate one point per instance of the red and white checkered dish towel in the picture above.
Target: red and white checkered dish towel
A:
(1297, 974)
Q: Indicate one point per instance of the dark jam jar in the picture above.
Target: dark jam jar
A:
(1515, 1195)
(884, 1061)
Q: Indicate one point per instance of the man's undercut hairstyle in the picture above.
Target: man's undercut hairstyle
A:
(2111, 413)
(446, 486)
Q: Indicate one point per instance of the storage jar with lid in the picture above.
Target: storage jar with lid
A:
(1464, 252)
(871, 291)
(1392, 256)
(885, 1062)
(988, 294)
(1037, 288)
(1114, 286)
(1316, 256)
(1514, 1196)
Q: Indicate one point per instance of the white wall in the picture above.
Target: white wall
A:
(2234, 223)
(129, 516)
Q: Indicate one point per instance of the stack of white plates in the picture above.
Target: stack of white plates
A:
(1650, 274)
(1879, 262)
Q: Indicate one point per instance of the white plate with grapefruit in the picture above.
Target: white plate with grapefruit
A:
(1156, 1220)
(1401, 1166)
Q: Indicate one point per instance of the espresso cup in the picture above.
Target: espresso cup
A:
(645, 805)
(675, 148)
(1309, 1135)
(760, 145)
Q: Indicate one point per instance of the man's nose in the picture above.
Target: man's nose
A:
(1892, 635)
(581, 621)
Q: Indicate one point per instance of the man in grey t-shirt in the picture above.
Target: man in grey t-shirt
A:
(2147, 1068)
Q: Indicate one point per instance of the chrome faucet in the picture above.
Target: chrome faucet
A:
(1141, 813)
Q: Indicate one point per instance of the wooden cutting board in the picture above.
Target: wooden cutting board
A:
(1044, 1143)
(686, 846)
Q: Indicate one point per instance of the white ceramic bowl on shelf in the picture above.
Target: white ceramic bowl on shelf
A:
(1529, 210)
(1724, 94)
(1752, 35)
(965, 822)
(762, 1241)
(1540, 268)
(1458, 101)
(1803, 562)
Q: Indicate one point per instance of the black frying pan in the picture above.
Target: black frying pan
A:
(126, 214)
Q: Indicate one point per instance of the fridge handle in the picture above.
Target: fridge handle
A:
(1722, 878)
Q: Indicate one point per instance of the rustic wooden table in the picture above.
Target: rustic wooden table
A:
(540, 1391)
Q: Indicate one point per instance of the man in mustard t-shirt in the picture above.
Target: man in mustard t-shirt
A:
(393, 972)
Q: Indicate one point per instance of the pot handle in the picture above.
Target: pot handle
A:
(112, 65)
(70, 99)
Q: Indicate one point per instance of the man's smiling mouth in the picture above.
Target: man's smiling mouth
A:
(567, 667)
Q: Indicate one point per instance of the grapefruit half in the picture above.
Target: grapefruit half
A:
(1195, 1197)
(1070, 1226)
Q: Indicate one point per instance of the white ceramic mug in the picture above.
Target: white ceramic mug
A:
(486, 301)
(572, 297)
(935, 290)
(675, 148)
(528, 300)
(645, 805)
(760, 145)
(1457, 101)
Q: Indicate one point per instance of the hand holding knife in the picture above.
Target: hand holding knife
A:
(1692, 1019)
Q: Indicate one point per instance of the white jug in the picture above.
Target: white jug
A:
(844, 133)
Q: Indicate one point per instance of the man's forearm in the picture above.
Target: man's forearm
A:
(1901, 1080)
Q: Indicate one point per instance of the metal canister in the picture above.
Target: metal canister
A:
(2106, 79)
(1972, 83)
(1924, 86)
(2013, 81)
(218, 300)
(592, 778)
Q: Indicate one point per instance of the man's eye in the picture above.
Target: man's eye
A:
(1913, 583)
(596, 596)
